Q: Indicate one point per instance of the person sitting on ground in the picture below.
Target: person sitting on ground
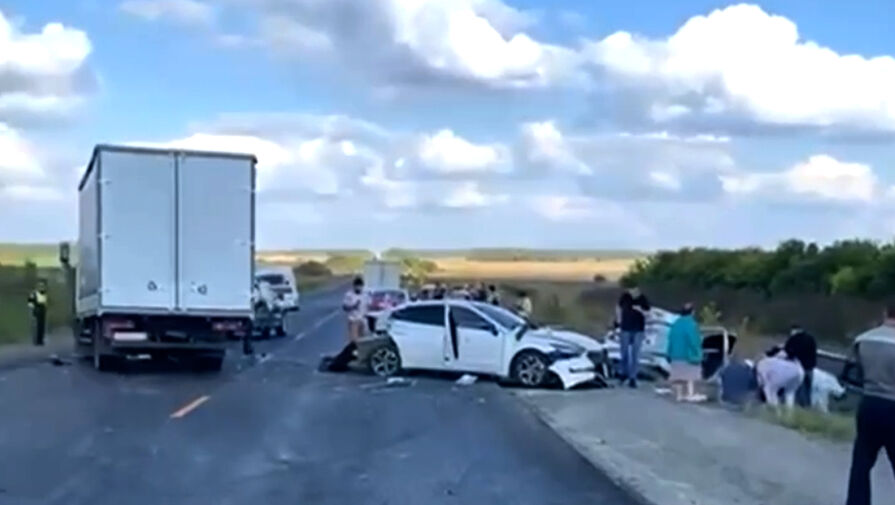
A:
(685, 355)
(524, 306)
(802, 347)
(779, 376)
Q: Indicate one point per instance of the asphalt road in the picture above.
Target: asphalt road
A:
(276, 431)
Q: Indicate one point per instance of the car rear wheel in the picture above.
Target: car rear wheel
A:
(385, 361)
(529, 368)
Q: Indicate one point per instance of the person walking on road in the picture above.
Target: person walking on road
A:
(802, 347)
(875, 355)
(37, 302)
(631, 312)
(354, 304)
(685, 355)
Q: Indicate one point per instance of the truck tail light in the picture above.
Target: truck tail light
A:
(110, 326)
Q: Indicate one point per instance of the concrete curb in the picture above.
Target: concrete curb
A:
(621, 470)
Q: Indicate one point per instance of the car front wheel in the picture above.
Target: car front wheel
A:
(385, 361)
(529, 368)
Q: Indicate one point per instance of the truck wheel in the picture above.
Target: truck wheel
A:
(101, 362)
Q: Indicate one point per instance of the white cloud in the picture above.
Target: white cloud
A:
(819, 178)
(448, 154)
(18, 161)
(42, 73)
(469, 195)
(414, 42)
(189, 12)
(625, 165)
(30, 193)
(563, 207)
(743, 62)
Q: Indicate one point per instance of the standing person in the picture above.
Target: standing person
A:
(685, 355)
(875, 355)
(440, 291)
(631, 313)
(524, 306)
(354, 304)
(493, 295)
(481, 293)
(802, 347)
(37, 302)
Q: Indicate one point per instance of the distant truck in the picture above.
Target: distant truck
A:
(380, 274)
(166, 254)
(382, 281)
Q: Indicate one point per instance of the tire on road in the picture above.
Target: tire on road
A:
(530, 369)
(281, 330)
(384, 360)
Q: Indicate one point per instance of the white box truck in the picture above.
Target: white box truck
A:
(380, 274)
(166, 253)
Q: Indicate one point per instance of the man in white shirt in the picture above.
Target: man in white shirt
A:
(354, 304)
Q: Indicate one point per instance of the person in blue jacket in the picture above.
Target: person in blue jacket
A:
(685, 355)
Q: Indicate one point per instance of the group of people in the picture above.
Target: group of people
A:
(788, 372)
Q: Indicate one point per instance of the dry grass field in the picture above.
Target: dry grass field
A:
(567, 270)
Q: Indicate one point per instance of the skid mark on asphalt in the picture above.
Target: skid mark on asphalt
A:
(189, 407)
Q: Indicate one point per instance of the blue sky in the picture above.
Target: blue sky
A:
(456, 123)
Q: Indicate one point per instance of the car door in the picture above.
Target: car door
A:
(421, 336)
(479, 342)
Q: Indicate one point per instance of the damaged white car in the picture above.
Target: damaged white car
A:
(472, 337)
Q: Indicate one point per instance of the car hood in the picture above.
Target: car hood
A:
(548, 335)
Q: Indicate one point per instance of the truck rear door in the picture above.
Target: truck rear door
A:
(137, 252)
(215, 233)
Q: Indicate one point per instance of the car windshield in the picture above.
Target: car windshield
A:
(272, 279)
(502, 316)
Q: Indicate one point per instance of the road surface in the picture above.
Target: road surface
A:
(277, 431)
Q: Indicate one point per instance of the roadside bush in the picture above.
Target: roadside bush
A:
(16, 282)
(312, 269)
(343, 265)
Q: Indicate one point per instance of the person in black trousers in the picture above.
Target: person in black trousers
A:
(37, 302)
(875, 356)
(802, 347)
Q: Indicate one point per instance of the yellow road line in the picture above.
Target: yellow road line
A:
(189, 407)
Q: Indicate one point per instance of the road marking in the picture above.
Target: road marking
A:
(189, 407)
(320, 322)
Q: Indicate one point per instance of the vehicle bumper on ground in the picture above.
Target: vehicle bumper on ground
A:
(574, 371)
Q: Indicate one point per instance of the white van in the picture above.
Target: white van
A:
(282, 282)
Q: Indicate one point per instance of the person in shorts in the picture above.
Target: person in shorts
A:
(685, 355)
(354, 304)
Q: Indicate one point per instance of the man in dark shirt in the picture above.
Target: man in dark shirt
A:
(802, 347)
(630, 313)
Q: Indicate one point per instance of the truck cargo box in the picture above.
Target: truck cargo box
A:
(166, 232)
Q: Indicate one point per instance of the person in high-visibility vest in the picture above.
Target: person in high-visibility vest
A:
(37, 301)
